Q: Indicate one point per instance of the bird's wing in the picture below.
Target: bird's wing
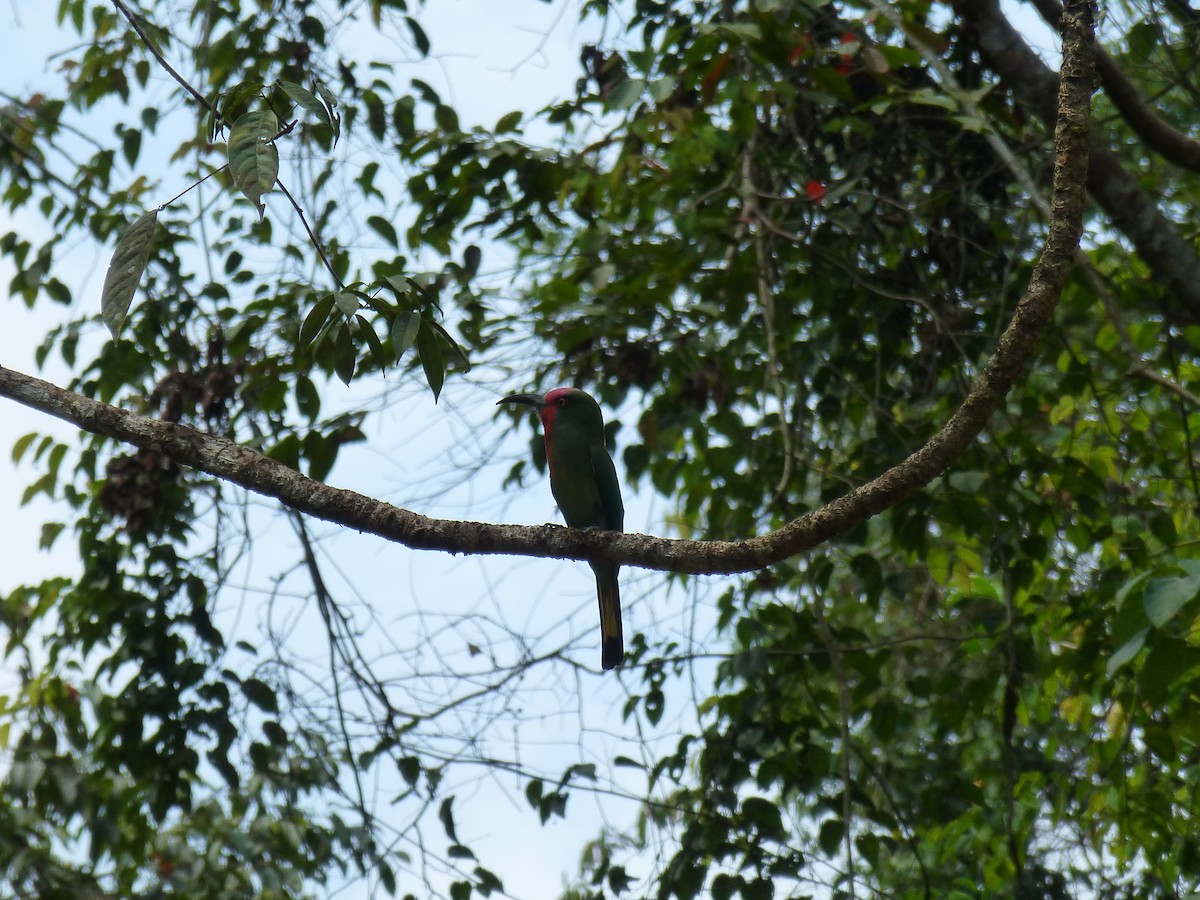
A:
(609, 489)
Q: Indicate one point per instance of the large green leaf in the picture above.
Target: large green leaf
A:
(125, 271)
(253, 157)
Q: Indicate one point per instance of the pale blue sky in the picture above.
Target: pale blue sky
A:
(488, 59)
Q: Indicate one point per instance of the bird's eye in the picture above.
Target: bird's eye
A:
(562, 401)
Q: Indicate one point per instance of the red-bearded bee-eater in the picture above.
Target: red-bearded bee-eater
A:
(584, 483)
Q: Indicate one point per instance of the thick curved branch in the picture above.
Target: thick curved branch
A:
(227, 460)
(1168, 142)
(1156, 238)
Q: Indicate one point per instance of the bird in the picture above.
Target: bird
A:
(583, 480)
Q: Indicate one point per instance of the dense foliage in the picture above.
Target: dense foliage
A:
(787, 235)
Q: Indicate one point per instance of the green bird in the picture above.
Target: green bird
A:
(584, 483)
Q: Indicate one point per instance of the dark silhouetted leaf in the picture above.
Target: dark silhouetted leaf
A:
(432, 361)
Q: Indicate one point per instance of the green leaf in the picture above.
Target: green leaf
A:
(253, 158)
(1129, 587)
(662, 88)
(344, 355)
(830, 836)
(384, 229)
(763, 816)
(321, 451)
(446, 816)
(1164, 597)
(1127, 651)
(125, 271)
(410, 769)
(315, 319)
(472, 257)
(488, 881)
(509, 122)
(533, 792)
(418, 35)
(275, 733)
(308, 400)
(326, 94)
(260, 694)
(446, 118)
(307, 100)
(627, 93)
(432, 361)
(22, 445)
(1143, 39)
(50, 532)
(372, 340)
(1168, 662)
(459, 351)
(286, 451)
(966, 482)
(586, 771)
(347, 302)
(387, 877)
(331, 104)
(404, 333)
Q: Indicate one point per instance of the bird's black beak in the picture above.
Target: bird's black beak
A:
(528, 399)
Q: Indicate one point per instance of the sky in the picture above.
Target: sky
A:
(448, 459)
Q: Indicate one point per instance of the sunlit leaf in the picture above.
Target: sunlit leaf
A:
(1164, 597)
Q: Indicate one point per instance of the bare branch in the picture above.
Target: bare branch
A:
(1155, 237)
(162, 60)
(847, 748)
(203, 101)
(1020, 171)
(1171, 144)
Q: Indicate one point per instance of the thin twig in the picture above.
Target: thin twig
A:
(1020, 172)
(312, 236)
(843, 683)
(203, 101)
(162, 61)
(325, 604)
(192, 186)
(766, 305)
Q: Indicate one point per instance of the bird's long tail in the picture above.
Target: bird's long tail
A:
(612, 644)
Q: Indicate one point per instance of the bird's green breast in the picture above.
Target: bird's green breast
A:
(583, 478)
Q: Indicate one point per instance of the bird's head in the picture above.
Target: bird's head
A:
(567, 404)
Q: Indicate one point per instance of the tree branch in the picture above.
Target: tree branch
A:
(220, 116)
(1155, 237)
(1171, 144)
(1020, 171)
(227, 460)
(162, 60)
